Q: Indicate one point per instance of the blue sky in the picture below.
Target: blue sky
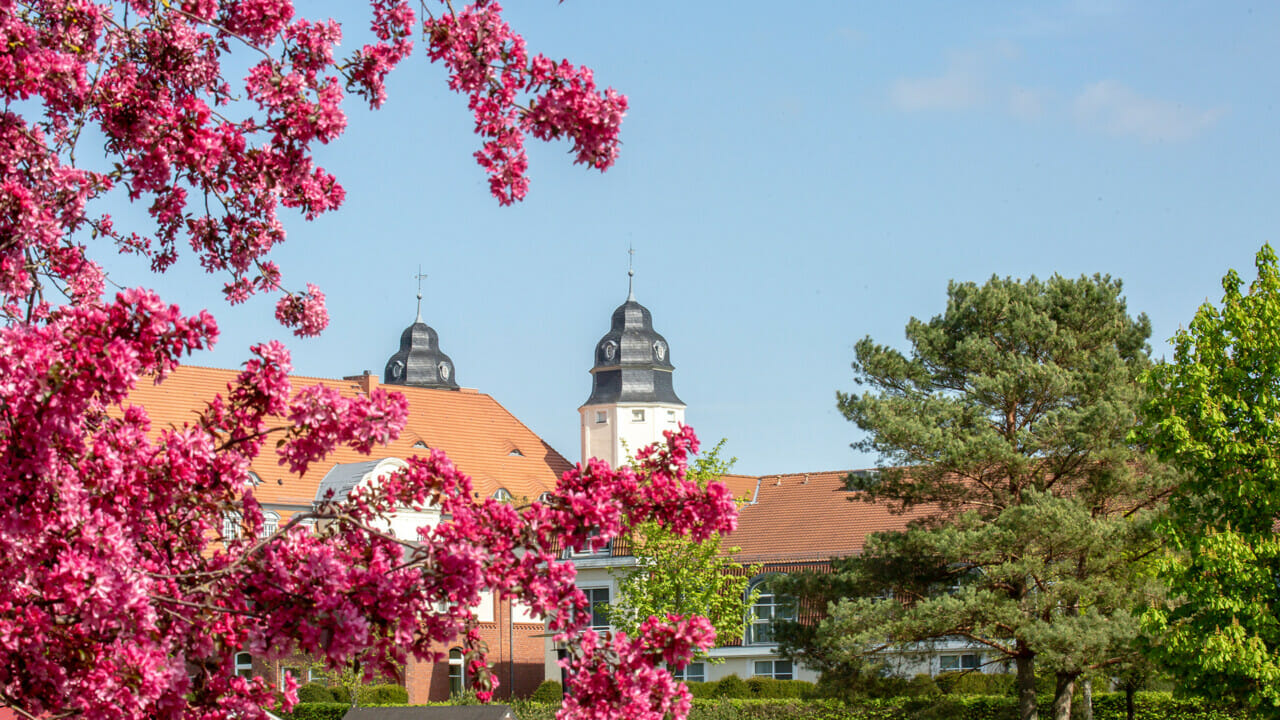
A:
(793, 178)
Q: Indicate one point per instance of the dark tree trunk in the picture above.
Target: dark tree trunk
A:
(1026, 665)
(1063, 694)
(1128, 700)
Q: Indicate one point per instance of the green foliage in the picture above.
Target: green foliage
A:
(1214, 414)
(672, 574)
(1007, 425)
(386, 694)
(772, 688)
(320, 711)
(855, 681)
(1106, 706)
(702, 689)
(732, 686)
(315, 693)
(975, 683)
(550, 691)
(922, 685)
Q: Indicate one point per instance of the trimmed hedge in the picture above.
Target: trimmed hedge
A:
(549, 691)
(315, 693)
(1106, 706)
(320, 711)
(769, 688)
(732, 686)
(387, 694)
(976, 683)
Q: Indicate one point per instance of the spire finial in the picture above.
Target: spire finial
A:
(420, 276)
(631, 273)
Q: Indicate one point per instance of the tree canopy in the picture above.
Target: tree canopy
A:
(674, 574)
(1214, 412)
(1007, 426)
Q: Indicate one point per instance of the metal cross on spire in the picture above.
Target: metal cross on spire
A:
(420, 277)
(631, 273)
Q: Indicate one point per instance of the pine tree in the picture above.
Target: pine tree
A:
(1007, 426)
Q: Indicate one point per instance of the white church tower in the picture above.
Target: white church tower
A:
(632, 401)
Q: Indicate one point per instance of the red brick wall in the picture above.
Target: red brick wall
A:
(429, 682)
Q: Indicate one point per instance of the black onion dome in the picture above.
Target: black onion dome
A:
(632, 361)
(419, 361)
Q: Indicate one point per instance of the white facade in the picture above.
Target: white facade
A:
(615, 432)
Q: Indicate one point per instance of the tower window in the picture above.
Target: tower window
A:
(671, 416)
(637, 415)
(601, 417)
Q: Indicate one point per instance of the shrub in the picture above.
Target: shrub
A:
(732, 686)
(549, 691)
(976, 683)
(341, 695)
(387, 694)
(852, 684)
(531, 710)
(702, 689)
(922, 685)
(769, 688)
(320, 711)
(315, 693)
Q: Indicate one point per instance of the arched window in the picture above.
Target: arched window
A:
(244, 664)
(768, 608)
(254, 479)
(501, 495)
(457, 676)
(270, 524)
(230, 526)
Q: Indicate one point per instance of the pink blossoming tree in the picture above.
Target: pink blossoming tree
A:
(119, 599)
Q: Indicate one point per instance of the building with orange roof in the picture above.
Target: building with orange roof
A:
(786, 523)
(502, 455)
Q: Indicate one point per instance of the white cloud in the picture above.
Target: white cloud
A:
(958, 88)
(1026, 103)
(1113, 108)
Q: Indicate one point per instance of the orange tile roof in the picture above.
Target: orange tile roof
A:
(743, 487)
(810, 516)
(481, 437)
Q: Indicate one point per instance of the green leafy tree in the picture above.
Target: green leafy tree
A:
(1006, 431)
(1215, 413)
(673, 574)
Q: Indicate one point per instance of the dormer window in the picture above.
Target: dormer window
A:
(501, 495)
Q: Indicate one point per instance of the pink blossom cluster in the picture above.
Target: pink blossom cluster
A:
(214, 163)
(490, 65)
(622, 677)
